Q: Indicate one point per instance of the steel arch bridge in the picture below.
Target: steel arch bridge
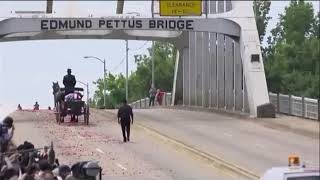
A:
(219, 62)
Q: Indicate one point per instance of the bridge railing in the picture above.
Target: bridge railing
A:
(144, 103)
(296, 106)
(285, 104)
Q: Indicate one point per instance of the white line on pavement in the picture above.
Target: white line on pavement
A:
(227, 134)
(81, 137)
(259, 146)
(120, 166)
(100, 151)
(308, 162)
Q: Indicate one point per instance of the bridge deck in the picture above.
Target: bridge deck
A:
(252, 144)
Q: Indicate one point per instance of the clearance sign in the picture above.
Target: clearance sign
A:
(180, 8)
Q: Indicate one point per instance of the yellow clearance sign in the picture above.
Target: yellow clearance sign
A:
(180, 8)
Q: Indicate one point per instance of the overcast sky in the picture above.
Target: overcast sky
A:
(27, 69)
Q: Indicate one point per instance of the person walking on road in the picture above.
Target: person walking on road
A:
(152, 95)
(19, 107)
(36, 106)
(125, 115)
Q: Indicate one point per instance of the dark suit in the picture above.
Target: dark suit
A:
(124, 115)
(69, 82)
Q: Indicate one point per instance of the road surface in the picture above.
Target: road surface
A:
(256, 145)
(145, 157)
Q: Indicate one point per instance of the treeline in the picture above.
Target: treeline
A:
(291, 58)
(140, 80)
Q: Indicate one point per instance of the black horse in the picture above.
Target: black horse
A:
(58, 95)
(59, 98)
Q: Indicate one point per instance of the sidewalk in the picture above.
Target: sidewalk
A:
(306, 127)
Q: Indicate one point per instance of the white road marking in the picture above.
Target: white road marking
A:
(120, 166)
(227, 134)
(100, 151)
(259, 146)
(308, 162)
(81, 137)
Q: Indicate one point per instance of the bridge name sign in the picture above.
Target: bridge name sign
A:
(109, 24)
(32, 25)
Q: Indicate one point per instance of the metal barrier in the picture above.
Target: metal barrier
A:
(285, 104)
(296, 106)
(144, 103)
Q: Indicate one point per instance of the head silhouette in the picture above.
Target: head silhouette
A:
(8, 121)
(69, 71)
(124, 101)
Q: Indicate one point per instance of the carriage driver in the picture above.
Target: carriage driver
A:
(69, 82)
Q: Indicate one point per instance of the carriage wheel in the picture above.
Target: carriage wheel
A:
(86, 115)
(60, 118)
(58, 113)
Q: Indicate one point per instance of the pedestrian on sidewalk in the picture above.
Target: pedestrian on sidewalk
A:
(152, 96)
(159, 97)
(125, 115)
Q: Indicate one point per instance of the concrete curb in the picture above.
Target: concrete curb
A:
(218, 162)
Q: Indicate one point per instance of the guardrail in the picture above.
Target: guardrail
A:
(285, 104)
(144, 103)
(296, 106)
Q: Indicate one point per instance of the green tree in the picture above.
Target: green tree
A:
(261, 10)
(297, 21)
(292, 64)
(116, 88)
(316, 26)
(140, 81)
(164, 60)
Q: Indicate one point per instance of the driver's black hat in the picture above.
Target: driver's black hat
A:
(69, 70)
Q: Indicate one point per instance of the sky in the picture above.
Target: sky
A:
(27, 69)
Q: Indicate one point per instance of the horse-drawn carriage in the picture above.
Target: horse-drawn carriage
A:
(71, 104)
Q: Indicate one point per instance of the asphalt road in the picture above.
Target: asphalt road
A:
(256, 145)
(145, 157)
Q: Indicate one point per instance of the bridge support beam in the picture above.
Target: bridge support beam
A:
(222, 71)
(177, 90)
(255, 79)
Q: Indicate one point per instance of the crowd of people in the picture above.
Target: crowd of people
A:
(25, 162)
(36, 107)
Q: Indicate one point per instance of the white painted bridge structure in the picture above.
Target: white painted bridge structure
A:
(219, 62)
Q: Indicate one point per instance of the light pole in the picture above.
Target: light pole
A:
(152, 59)
(104, 76)
(127, 56)
(87, 86)
(127, 49)
(152, 74)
